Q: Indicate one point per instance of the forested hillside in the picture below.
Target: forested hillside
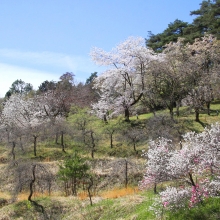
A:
(139, 141)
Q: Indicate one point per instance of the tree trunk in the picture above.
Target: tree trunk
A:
(89, 187)
(105, 119)
(171, 113)
(178, 108)
(127, 115)
(155, 188)
(13, 150)
(208, 107)
(191, 179)
(62, 141)
(31, 187)
(35, 145)
(32, 183)
(126, 173)
(134, 145)
(197, 115)
(170, 107)
(111, 140)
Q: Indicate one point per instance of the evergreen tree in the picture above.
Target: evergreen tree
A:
(72, 171)
(91, 78)
(207, 21)
(174, 30)
(47, 85)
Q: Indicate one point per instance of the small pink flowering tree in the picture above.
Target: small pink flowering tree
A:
(195, 167)
(158, 157)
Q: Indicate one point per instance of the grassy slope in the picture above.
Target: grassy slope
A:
(127, 207)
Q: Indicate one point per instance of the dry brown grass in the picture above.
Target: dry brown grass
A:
(110, 194)
(4, 195)
(47, 159)
(82, 195)
(115, 193)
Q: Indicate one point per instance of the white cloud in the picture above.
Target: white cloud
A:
(47, 59)
(10, 73)
(36, 67)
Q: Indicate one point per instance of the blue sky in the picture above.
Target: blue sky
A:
(42, 39)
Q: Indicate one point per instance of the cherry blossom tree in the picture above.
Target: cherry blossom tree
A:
(195, 168)
(203, 73)
(169, 77)
(25, 114)
(187, 71)
(158, 156)
(122, 85)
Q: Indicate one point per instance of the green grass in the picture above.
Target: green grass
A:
(208, 210)
(129, 207)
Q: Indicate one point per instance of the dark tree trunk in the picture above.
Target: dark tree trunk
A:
(111, 140)
(170, 107)
(62, 141)
(93, 145)
(127, 115)
(197, 115)
(31, 187)
(208, 107)
(171, 113)
(35, 145)
(191, 180)
(13, 150)
(32, 183)
(126, 174)
(155, 188)
(105, 119)
(134, 145)
(89, 193)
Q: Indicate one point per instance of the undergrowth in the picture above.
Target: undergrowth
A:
(208, 210)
